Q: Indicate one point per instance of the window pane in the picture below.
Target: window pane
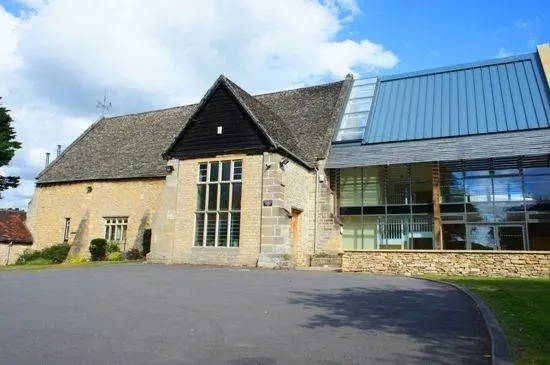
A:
(482, 238)
(478, 190)
(507, 189)
(214, 170)
(480, 212)
(397, 193)
(199, 229)
(226, 170)
(510, 238)
(373, 192)
(454, 237)
(107, 232)
(359, 105)
(237, 170)
(537, 193)
(361, 91)
(352, 234)
(422, 192)
(210, 229)
(355, 120)
(235, 229)
(539, 236)
(350, 187)
(350, 134)
(201, 197)
(236, 198)
(224, 196)
(222, 229)
(212, 196)
(452, 191)
(203, 168)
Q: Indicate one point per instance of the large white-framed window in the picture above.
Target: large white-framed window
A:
(115, 229)
(218, 210)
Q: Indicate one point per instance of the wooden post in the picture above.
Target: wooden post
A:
(436, 193)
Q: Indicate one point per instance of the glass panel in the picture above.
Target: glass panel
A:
(539, 236)
(212, 196)
(235, 229)
(398, 173)
(203, 169)
(355, 120)
(510, 238)
(352, 233)
(505, 211)
(482, 238)
(226, 170)
(370, 80)
(359, 105)
(397, 193)
(373, 193)
(452, 191)
(537, 193)
(362, 91)
(210, 229)
(350, 187)
(222, 229)
(480, 212)
(394, 232)
(236, 198)
(237, 170)
(224, 196)
(422, 192)
(478, 190)
(422, 232)
(350, 134)
(201, 197)
(454, 237)
(199, 229)
(421, 172)
(214, 171)
(507, 189)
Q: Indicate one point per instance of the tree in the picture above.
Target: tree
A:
(8, 146)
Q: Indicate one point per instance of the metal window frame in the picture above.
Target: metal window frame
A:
(217, 211)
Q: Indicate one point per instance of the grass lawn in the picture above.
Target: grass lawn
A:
(523, 309)
(66, 266)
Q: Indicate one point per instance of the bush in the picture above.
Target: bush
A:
(98, 248)
(55, 254)
(73, 259)
(39, 261)
(113, 247)
(114, 256)
(134, 254)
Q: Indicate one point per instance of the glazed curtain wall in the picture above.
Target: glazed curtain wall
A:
(485, 204)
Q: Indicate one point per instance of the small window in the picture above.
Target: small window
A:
(67, 230)
(116, 228)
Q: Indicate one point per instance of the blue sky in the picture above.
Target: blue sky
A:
(58, 57)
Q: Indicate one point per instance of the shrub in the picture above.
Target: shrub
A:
(55, 254)
(134, 254)
(74, 259)
(114, 256)
(98, 247)
(113, 247)
(39, 261)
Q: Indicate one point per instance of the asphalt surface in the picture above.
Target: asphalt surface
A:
(160, 314)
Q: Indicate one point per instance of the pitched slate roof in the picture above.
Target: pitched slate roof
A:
(13, 227)
(501, 95)
(300, 121)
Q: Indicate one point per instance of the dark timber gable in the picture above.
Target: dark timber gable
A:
(220, 108)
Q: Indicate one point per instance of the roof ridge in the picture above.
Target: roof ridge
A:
(299, 88)
(458, 67)
(151, 111)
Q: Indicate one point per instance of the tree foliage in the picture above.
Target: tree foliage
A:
(8, 146)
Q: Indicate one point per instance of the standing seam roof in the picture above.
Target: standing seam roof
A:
(502, 95)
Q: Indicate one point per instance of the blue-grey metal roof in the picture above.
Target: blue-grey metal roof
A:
(507, 94)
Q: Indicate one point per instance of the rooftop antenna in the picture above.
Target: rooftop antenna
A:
(105, 106)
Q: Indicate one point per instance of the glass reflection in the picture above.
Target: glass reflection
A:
(482, 237)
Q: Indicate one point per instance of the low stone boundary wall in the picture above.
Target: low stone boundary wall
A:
(326, 260)
(474, 263)
(9, 255)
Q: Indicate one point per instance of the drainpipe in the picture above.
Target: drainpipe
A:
(262, 201)
(9, 250)
(315, 212)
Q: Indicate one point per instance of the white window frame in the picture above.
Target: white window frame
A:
(116, 227)
(217, 211)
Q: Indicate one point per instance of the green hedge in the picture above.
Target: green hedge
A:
(55, 254)
(98, 249)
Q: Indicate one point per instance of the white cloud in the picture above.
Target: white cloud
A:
(57, 59)
(503, 52)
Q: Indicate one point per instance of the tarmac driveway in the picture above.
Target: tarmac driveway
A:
(160, 314)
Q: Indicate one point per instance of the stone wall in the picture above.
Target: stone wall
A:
(173, 230)
(8, 255)
(474, 263)
(544, 54)
(86, 204)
